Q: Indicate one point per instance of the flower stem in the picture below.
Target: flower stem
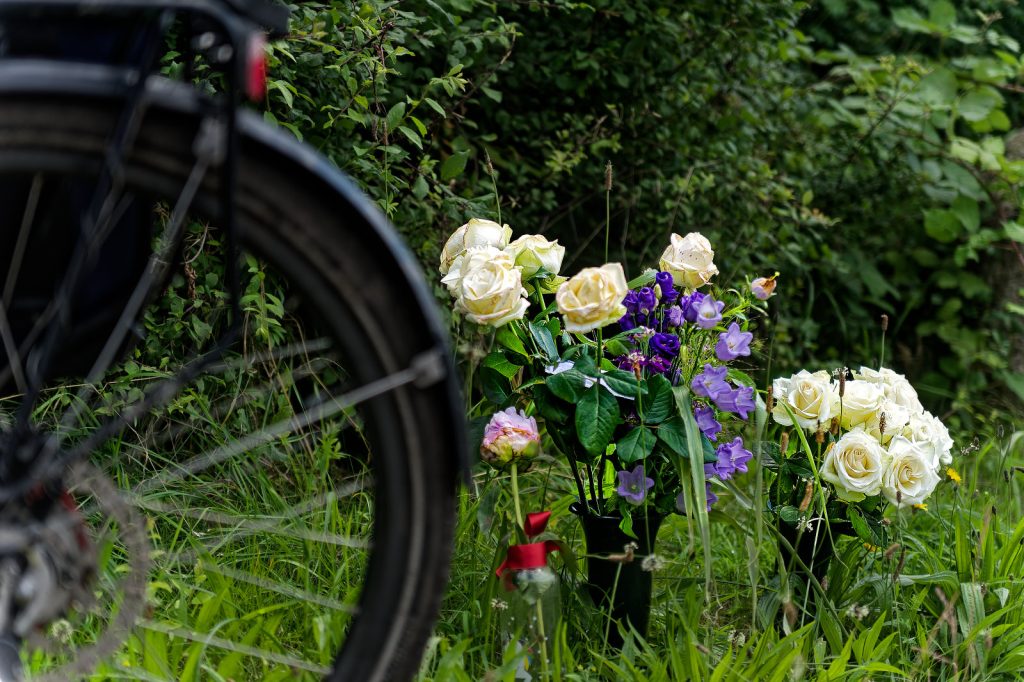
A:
(543, 653)
(515, 496)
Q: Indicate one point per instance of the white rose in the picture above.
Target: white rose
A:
(928, 431)
(896, 419)
(592, 298)
(689, 259)
(533, 252)
(475, 233)
(471, 259)
(492, 294)
(895, 386)
(860, 401)
(854, 465)
(908, 478)
(813, 399)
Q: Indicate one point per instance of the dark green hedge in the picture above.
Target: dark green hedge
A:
(863, 149)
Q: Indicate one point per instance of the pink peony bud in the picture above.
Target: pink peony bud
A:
(763, 287)
(510, 436)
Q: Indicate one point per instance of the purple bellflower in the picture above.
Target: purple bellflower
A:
(711, 382)
(708, 312)
(665, 345)
(633, 485)
(733, 343)
(706, 422)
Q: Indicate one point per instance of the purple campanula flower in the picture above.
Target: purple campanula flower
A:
(689, 304)
(665, 345)
(659, 364)
(763, 288)
(732, 457)
(733, 343)
(708, 312)
(740, 401)
(663, 280)
(674, 316)
(627, 322)
(647, 301)
(710, 496)
(633, 485)
(632, 302)
(634, 362)
(706, 421)
(711, 382)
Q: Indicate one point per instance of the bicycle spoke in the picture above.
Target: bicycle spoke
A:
(319, 412)
(256, 525)
(14, 269)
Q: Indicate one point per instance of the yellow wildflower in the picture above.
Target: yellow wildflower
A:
(871, 548)
(954, 475)
(922, 506)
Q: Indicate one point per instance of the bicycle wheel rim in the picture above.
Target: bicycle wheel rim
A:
(392, 563)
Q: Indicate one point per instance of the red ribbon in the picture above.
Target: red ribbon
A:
(532, 555)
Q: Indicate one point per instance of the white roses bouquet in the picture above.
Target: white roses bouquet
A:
(875, 442)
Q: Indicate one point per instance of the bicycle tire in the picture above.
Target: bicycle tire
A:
(288, 213)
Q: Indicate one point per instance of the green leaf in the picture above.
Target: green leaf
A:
(672, 432)
(660, 400)
(622, 382)
(861, 526)
(938, 89)
(495, 386)
(454, 165)
(568, 385)
(941, 225)
(789, 514)
(977, 104)
(435, 106)
(942, 13)
(542, 336)
(509, 339)
(597, 414)
(1014, 231)
(966, 210)
(395, 116)
(549, 407)
(498, 362)
(638, 444)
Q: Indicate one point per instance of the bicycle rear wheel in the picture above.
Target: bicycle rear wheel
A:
(299, 492)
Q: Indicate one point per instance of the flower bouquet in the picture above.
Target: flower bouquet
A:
(867, 440)
(633, 383)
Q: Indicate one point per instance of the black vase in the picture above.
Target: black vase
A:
(621, 589)
(814, 549)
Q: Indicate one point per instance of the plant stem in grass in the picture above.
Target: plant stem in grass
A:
(543, 653)
(611, 603)
(515, 497)
(607, 207)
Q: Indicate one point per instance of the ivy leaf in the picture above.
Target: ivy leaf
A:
(636, 445)
(597, 414)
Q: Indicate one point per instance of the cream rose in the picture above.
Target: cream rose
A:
(592, 298)
(813, 399)
(533, 252)
(860, 401)
(908, 478)
(895, 386)
(928, 431)
(471, 259)
(690, 260)
(476, 233)
(854, 464)
(492, 294)
(896, 419)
